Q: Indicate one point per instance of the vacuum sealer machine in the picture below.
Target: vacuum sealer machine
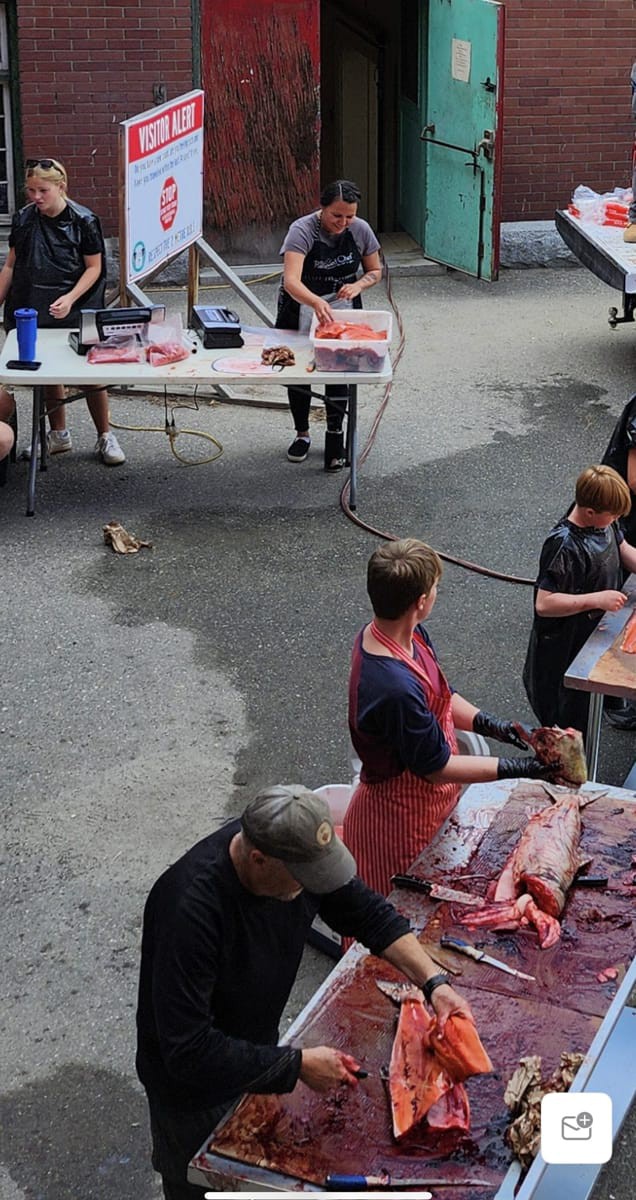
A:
(98, 324)
(218, 328)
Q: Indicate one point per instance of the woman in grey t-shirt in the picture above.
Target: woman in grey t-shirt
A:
(323, 253)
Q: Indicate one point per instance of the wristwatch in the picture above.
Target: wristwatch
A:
(434, 982)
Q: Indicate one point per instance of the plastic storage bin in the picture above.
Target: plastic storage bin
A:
(337, 796)
(350, 355)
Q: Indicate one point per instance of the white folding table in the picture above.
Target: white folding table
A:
(602, 250)
(61, 365)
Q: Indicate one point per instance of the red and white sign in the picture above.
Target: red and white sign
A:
(164, 182)
(168, 203)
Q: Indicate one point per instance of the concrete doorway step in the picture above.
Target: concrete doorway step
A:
(405, 257)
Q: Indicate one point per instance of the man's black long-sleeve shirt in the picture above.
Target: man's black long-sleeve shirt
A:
(217, 966)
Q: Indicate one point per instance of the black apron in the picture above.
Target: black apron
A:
(50, 260)
(555, 641)
(325, 270)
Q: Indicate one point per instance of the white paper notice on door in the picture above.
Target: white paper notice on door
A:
(460, 60)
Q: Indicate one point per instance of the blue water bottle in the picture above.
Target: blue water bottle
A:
(26, 322)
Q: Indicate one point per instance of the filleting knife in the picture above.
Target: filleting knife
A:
(437, 891)
(450, 942)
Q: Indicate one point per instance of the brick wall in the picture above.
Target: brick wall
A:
(104, 59)
(567, 110)
(567, 101)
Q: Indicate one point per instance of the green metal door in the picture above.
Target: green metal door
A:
(462, 134)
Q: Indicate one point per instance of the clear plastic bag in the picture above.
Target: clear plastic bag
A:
(117, 350)
(609, 208)
(165, 342)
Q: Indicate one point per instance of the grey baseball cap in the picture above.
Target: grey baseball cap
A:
(292, 824)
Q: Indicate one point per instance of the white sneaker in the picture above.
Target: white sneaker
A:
(58, 441)
(108, 449)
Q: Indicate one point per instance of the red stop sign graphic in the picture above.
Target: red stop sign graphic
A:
(168, 202)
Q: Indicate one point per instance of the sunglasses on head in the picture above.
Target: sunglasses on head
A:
(45, 163)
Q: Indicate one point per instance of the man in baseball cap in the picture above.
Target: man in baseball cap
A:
(224, 931)
(294, 825)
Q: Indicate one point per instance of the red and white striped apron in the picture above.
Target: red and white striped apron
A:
(388, 823)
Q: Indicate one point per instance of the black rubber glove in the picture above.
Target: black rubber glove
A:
(525, 768)
(503, 731)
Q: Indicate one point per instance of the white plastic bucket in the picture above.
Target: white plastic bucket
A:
(338, 797)
(471, 743)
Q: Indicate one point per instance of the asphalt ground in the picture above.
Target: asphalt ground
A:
(144, 699)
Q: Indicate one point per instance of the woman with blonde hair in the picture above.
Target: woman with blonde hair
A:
(57, 265)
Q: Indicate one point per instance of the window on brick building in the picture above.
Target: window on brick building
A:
(7, 186)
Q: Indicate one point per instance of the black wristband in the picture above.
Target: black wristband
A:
(434, 982)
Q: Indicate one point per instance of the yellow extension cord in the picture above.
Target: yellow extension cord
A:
(173, 433)
(212, 287)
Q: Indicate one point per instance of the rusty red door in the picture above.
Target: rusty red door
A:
(260, 68)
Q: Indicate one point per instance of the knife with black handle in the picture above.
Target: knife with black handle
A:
(450, 942)
(437, 891)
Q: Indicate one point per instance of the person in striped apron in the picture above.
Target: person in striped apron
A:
(403, 716)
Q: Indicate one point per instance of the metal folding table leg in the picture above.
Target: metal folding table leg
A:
(37, 431)
(593, 739)
(352, 443)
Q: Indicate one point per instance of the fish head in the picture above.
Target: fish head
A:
(399, 992)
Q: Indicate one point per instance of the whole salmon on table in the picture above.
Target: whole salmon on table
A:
(427, 1073)
(534, 883)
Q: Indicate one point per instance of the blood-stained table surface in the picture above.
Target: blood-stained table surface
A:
(295, 1140)
(601, 665)
(603, 669)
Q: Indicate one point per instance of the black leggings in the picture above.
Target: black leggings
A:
(335, 404)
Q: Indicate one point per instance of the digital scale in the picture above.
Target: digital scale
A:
(97, 324)
(218, 328)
